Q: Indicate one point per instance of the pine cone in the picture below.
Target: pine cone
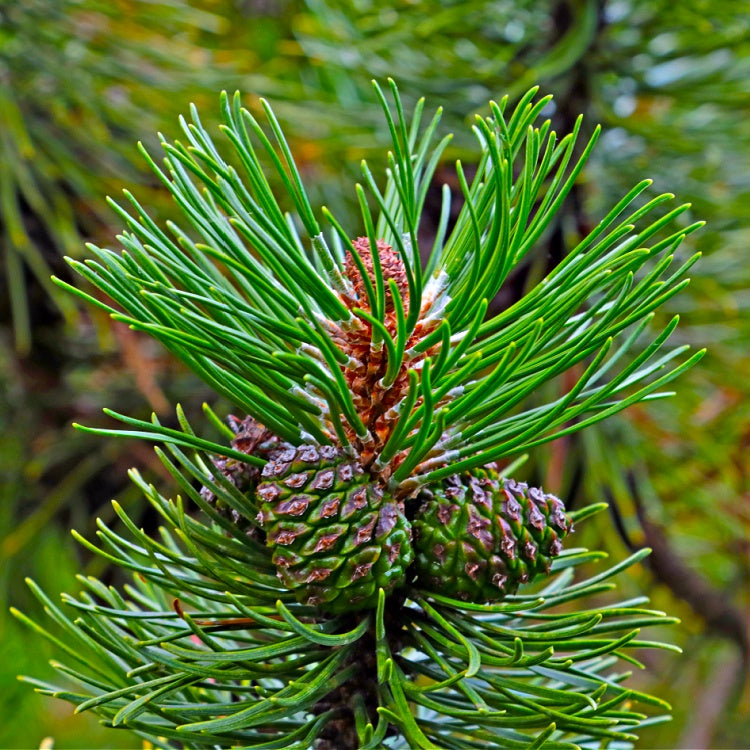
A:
(336, 536)
(479, 536)
(252, 438)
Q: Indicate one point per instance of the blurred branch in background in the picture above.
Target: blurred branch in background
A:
(720, 615)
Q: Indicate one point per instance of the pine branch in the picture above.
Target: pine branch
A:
(261, 309)
(355, 579)
(205, 648)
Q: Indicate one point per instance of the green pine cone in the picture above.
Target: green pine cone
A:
(479, 536)
(336, 536)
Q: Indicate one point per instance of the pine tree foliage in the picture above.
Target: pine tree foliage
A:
(261, 327)
(356, 349)
(204, 648)
(76, 78)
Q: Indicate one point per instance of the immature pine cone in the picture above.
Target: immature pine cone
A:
(479, 536)
(336, 536)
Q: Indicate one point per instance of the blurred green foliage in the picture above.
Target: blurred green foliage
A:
(82, 80)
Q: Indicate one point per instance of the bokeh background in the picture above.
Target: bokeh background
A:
(81, 81)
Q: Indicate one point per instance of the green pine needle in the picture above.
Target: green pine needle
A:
(255, 300)
(206, 648)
